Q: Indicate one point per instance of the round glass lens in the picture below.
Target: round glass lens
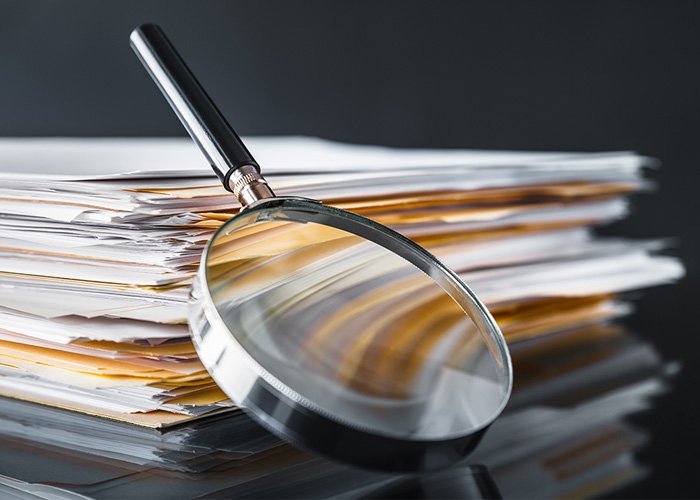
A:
(355, 321)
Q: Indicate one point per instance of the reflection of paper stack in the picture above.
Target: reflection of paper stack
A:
(563, 436)
(191, 447)
(100, 239)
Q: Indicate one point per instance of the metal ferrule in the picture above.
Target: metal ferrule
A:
(248, 185)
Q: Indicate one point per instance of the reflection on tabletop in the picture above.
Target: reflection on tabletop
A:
(563, 434)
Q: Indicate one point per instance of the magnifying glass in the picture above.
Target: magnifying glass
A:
(334, 332)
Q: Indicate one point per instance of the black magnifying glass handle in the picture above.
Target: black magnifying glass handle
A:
(223, 148)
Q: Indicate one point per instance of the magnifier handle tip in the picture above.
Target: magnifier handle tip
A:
(201, 118)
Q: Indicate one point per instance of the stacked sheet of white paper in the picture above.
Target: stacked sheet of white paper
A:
(100, 239)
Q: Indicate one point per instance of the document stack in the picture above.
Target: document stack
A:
(101, 239)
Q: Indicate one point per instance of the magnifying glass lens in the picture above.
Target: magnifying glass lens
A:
(340, 319)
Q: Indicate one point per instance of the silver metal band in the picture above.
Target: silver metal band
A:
(248, 185)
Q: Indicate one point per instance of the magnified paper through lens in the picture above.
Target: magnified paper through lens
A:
(351, 326)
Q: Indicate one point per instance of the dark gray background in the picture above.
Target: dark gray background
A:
(546, 75)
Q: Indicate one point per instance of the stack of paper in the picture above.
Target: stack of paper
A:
(101, 238)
